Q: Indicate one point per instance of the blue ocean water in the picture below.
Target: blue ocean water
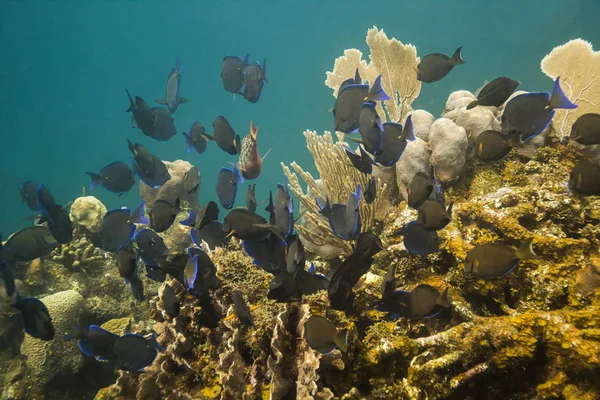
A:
(64, 67)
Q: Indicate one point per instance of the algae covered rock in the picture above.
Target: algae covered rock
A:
(46, 360)
(88, 212)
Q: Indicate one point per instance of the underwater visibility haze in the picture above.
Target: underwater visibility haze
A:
(299, 200)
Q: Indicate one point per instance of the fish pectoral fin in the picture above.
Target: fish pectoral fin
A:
(183, 100)
(266, 154)
(162, 101)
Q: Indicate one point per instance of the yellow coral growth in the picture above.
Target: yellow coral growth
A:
(395, 61)
(578, 67)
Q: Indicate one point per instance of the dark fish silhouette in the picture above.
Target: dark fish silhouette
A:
(118, 227)
(322, 336)
(162, 214)
(28, 195)
(424, 301)
(393, 141)
(241, 309)
(197, 138)
(283, 209)
(172, 97)
(143, 117)
(251, 198)
(527, 115)
(492, 145)
(35, 317)
(210, 213)
(362, 162)
(225, 136)
(170, 301)
(200, 273)
(370, 128)
(28, 244)
(96, 342)
(211, 233)
(434, 67)
(231, 73)
(134, 353)
(433, 215)
(116, 177)
(191, 180)
(268, 253)
(586, 130)
(152, 248)
(164, 125)
(148, 167)
(420, 188)
(419, 240)
(245, 224)
(349, 102)
(254, 78)
(495, 93)
(585, 179)
(344, 219)
(370, 191)
(493, 260)
(226, 187)
(127, 262)
(351, 269)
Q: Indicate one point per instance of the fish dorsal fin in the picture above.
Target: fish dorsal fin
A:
(253, 130)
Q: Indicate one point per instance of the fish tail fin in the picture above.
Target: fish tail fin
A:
(131, 103)
(376, 92)
(341, 340)
(191, 219)
(130, 145)
(456, 58)
(265, 70)
(183, 100)
(253, 130)
(155, 343)
(407, 132)
(188, 142)
(161, 102)
(270, 207)
(443, 299)
(266, 154)
(246, 60)
(178, 65)
(559, 99)
(97, 180)
(236, 175)
(525, 251)
(138, 216)
(472, 104)
(449, 209)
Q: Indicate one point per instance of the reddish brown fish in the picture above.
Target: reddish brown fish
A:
(250, 162)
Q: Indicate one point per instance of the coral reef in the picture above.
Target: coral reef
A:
(338, 178)
(87, 212)
(390, 58)
(45, 360)
(77, 253)
(173, 189)
(578, 67)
